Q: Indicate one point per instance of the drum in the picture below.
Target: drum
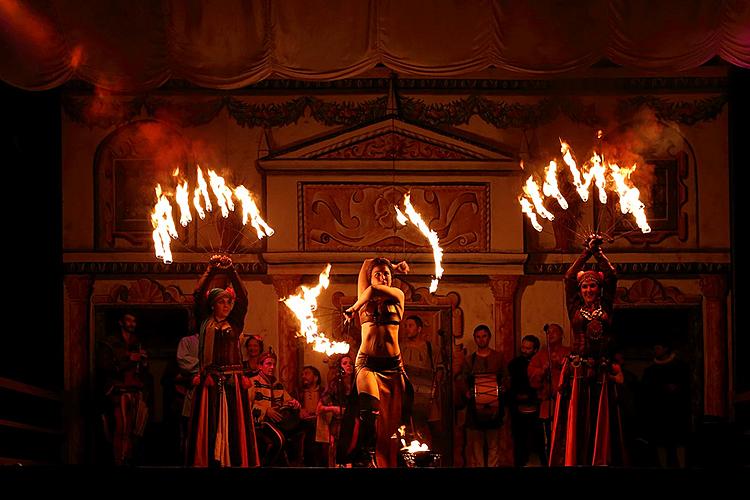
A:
(290, 419)
(486, 404)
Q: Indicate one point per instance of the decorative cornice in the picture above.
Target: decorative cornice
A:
(351, 84)
(569, 85)
(682, 112)
(260, 268)
(501, 114)
(652, 292)
(576, 85)
(109, 111)
(145, 291)
(143, 268)
(651, 268)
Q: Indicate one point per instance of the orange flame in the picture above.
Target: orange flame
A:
(164, 228)
(431, 235)
(528, 209)
(201, 190)
(531, 188)
(550, 185)
(596, 171)
(222, 192)
(599, 172)
(629, 196)
(182, 198)
(412, 447)
(250, 211)
(583, 190)
(303, 305)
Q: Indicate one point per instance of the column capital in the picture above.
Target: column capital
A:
(504, 286)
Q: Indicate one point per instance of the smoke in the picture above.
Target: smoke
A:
(164, 145)
(644, 137)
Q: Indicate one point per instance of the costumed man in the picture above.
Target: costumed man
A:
(484, 375)
(524, 406)
(188, 366)
(425, 369)
(275, 411)
(127, 385)
(544, 376)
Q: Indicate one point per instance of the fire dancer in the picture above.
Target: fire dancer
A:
(587, 428)
(222, 433)
(384, 392)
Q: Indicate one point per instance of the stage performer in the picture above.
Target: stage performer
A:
(384, 391)
(221, 431)
(587, 426)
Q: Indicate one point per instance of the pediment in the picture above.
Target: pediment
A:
(394, 139)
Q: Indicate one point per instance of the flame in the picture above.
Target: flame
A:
(431, 235)
(250, 210)
(629, 196)
(183, 201)
(583, 190)
(412, 447)
(528, 209)
(201, 190)
(550, 185)
(531, 188)
(596, 171)
(162, 216)
(164, 228)
(303, 305)
(222, 192)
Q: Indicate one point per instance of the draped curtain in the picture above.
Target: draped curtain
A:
(137, 45)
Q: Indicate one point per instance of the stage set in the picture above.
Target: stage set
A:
(555, 191)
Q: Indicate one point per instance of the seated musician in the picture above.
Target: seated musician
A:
(273, 408)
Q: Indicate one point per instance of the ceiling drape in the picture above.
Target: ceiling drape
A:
(137, 45)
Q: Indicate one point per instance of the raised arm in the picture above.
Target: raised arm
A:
(577, 265)
(201, 290)
(373, 291)
(363, 281)
(609, 286)
(237, 316)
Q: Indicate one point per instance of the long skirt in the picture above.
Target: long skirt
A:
(221, 432)
(587, 425)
